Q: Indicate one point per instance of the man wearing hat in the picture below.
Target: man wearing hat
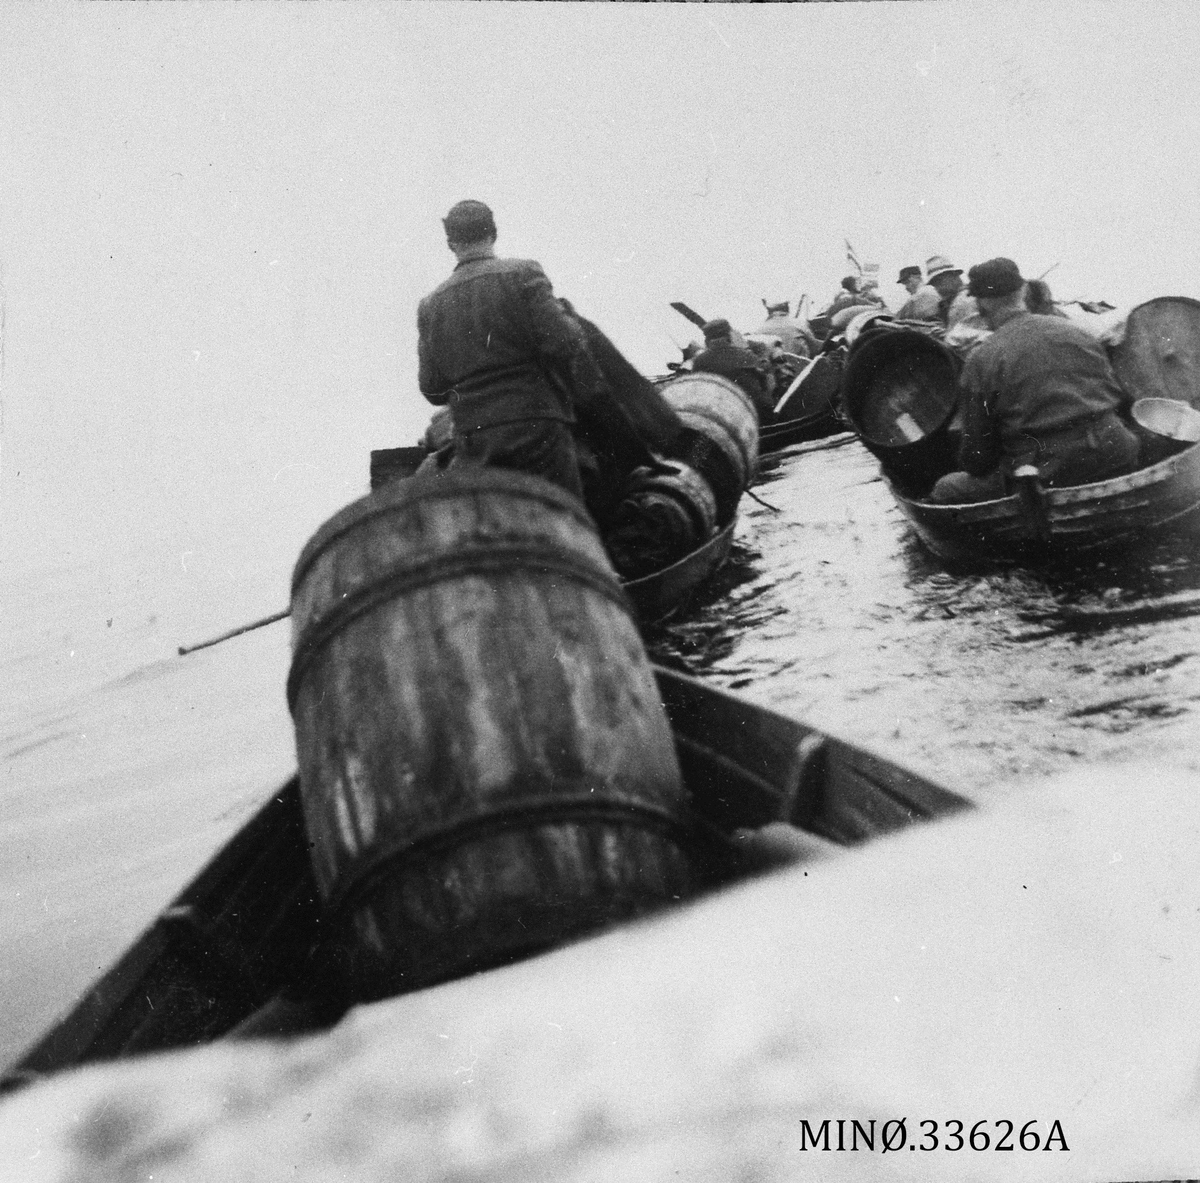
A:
(721, 356)
(497, 347)
(954, 304)
(794, 336)
(1038, 391)
(923, 301)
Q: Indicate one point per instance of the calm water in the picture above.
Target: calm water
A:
(125, 766)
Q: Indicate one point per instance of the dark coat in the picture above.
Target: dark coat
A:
(497, 347)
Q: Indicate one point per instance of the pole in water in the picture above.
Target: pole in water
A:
(236, 632)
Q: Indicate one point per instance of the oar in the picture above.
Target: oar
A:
(236, 632)
(799, 378)
(689, 313)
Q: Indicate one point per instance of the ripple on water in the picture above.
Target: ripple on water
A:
(831, 610)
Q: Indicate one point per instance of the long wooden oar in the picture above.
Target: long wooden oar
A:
(236, 632)
(796, 383)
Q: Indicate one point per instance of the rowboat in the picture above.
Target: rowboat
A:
(811, 413)
(655, 596)
(901, 394)
(1063, 523)
(238, 951)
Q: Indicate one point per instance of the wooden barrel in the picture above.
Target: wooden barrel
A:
(723, 440)
(662, 517)
(900, 392)
(485, 764)
(1158, 354)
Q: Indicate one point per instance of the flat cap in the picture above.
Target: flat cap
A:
(996, 277)
(905, 272)
(715, 329)
(469, 221)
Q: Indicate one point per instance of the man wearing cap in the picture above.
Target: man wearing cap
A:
(794, 336)
(1038, 391)
(721, 356)
(924, 302)
(497, 347)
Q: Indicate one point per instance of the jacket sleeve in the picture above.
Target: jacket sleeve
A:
(431, 382)
(981, 451)
(558, 336)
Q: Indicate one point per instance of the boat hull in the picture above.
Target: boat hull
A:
(662, 593)
(1079, 519)
(238, 952)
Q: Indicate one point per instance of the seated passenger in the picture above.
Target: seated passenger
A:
(1038, 391)
(794, 336)
(923, 300)
(721, 356)
(954, 302)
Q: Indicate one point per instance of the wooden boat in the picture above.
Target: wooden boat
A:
(812, 413)
(662, 593)
(237, 953)
(1053, 523)
(655, 596)
(902, 376)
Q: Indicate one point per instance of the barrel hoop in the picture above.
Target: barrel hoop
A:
(747, 457)
(545, 810)
(398, 499)
(493, 559)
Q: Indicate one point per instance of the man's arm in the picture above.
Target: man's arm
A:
(558, 336)
(981, 451)
(430, 381)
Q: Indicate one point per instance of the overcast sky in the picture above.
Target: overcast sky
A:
(216, 220)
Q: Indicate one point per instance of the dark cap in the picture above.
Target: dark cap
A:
(907, 272)
(716, 329)
(469, 221)
(850, 283)
(996, 277)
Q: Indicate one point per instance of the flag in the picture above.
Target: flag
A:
(852, 257)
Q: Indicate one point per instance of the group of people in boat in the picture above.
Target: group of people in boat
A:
(532, 386)
(1037, 390)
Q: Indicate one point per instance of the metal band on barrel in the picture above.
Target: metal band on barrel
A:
(362, 875)
(499, 558)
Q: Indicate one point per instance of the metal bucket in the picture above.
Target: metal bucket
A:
(485, 764)
(1168, 417)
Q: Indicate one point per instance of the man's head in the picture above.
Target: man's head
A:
(717, 330)
(998, 289)
(910, 278)
(943, 276)
(850, 283)
(469, 223)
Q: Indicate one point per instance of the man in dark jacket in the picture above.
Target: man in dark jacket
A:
(721, 356)
(1038, 391)
(497, 347)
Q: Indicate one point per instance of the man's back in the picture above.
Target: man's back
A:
(490, 337)
(1040, 375)
(793, 336)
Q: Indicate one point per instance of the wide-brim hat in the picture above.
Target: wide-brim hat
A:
(937, 265)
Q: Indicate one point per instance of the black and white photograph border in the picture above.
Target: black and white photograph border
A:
(938, 915)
